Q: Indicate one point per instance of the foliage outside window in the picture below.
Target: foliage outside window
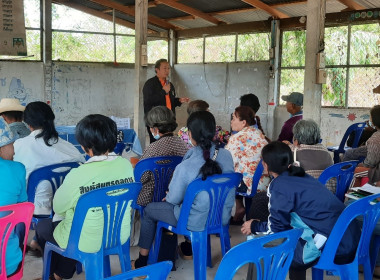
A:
(292, 69)
(157, 49)
(190, 51)
(78, 36)
(354, 70)
(253, 47)
(220, 49)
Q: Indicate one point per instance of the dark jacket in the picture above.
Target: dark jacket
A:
(303, 202)
(154, 95)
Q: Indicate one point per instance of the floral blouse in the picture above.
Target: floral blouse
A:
(245, 147)
(221, 136)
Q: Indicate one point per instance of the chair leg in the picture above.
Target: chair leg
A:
(78, 267)
(350, 272)
(94, 267)
(199, 246)
(46, 265)
(225, 241)
(209, 261)
(316, 274)
(374, 251)
(107, 266)
(336, 157)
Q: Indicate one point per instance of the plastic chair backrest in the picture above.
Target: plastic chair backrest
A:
(55, 174)
(361, 207)
(11, 215)
(114, 205)
(358, 128)
(157, 271)
(272, 263)
(218, 187)
(255, 179)
(162, 169)
(343, 172)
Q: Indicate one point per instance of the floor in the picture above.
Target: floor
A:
(33, 265)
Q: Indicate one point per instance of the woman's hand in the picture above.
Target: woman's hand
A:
(246, 227)
(184, 100)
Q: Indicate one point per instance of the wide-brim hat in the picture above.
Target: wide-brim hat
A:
(10, 104)
(295, 98)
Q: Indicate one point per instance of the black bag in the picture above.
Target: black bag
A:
(168, 247)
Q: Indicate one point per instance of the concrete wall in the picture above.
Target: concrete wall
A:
(79, 89)
(221, 85)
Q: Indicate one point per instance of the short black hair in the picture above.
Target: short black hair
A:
(375, 115)
(97, 132)
(245, 113)
(250, 100)
(13, 115)
(157, 65)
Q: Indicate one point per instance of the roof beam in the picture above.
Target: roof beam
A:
(262, 6)
(189, 10)
(352, 5)
(240, 10)
(129, 11)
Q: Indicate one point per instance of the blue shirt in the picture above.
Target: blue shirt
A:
(12, 191)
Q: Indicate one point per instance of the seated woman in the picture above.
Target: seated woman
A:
(198, 162)
(297, 200)
(221, 136)
(371, 166)
(43, 147)
(12, 189)
(97, 135)
(245, 147)
(312, 156)
(162, 123)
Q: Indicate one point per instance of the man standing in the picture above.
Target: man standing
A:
(158, 91)
(294, 102)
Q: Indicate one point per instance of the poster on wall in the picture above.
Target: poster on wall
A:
(12, 28)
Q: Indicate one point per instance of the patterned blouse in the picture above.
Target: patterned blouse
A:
(221, 136)
(245, 147)
(165, 146)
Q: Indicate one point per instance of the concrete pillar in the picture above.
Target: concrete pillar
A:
(47, 49)
(315, 27)
(274, 77)
(141, 30)
(172, 48)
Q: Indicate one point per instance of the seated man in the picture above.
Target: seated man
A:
(11, 110)
(294, 103)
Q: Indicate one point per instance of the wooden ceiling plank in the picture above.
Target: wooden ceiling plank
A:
(189, 10)
(352, 5)
(129, 11)
(270, 10)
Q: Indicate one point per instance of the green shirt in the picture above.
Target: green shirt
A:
(89, 176)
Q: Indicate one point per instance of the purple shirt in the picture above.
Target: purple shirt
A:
(287, 128)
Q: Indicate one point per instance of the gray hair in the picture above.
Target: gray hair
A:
(162, 118)
(306, 132)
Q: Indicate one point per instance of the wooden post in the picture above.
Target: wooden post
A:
(141, 30)
(315, 27)
(47, 50)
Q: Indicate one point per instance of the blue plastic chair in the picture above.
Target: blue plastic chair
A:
(218, 187)
(162, 169)
(341, 149)
(272, 263)
(114, 207)
(370, 213)
(54, 174)
(343, 172)
(157, 271)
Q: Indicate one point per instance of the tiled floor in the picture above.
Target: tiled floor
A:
(33, 266)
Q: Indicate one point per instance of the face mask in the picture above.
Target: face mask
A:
(157, 136)
(191, 143)
(371, 124)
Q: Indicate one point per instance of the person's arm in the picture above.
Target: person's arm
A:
(286, 133)
(21, 173)
(178, 186)
(373, 152)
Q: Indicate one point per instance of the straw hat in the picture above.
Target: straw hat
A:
(10, 104)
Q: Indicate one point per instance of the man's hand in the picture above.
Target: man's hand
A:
(246, 227)
(184, 100)
(166, 88)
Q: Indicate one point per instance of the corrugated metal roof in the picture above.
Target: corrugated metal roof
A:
(256, 15)
(195, 23)
(369, 4)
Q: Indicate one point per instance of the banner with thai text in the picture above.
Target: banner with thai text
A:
(12, 28)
